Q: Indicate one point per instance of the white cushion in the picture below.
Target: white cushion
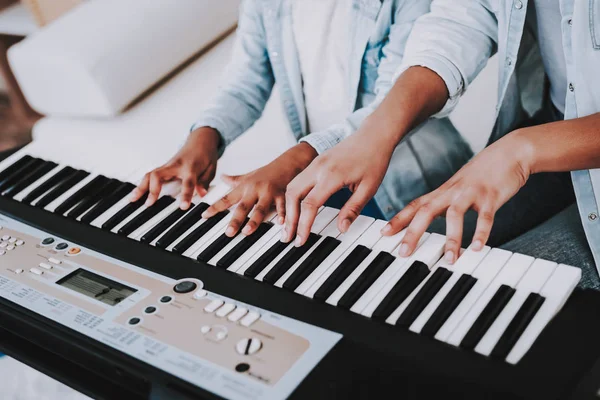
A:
(104, 54)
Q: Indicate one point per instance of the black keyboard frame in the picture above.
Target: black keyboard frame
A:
(373, 360)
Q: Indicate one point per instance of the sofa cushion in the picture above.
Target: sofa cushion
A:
(95, 60)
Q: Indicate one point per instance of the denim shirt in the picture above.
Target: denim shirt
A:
(265, 53)
(456, 40)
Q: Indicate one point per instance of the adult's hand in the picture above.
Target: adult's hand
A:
(194, 165)
(257, 191)
(484, 184)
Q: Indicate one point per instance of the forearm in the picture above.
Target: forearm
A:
(417, 94)
(560, 146)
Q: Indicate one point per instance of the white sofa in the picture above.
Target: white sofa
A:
(84, 70)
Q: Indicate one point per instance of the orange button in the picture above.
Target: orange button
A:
(74, 251)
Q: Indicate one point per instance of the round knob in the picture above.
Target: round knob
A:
(185, 287)
(248, 346)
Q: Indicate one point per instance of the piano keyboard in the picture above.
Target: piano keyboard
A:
(491, 302)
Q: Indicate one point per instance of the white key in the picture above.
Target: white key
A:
(208, 238)
(485, 272)
(129, 218)
(429, 253)
(108, 214)
(509, 275)
(532, 282)
(225, 310)
(213, 306)
(263, 244)
(556, 291)
(323, 219)
(152, 222)
(238, 314)
(363, 226)
(250, 319)
(243, 263)
(464, 265)
(389, 243)
(61, 199)
(195, 200)
(24, 193)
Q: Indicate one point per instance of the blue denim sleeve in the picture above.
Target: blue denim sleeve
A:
(405, 14)
(455, 40)
(248, 83)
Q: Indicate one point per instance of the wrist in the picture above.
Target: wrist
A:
(522, 145)
(301, 155)
(207, 137)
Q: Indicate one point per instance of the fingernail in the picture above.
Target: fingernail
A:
(230, 231)
(280, 220)
(449, 256)
(148, 203)
(246, 230)
(298, 241)
(204, 215)
(386, 229)
(284, 235)
(345, 225)
(404, 250)
(185, 205)
(477, 245)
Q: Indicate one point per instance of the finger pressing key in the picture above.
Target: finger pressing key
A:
(239, 216)
(258, 215)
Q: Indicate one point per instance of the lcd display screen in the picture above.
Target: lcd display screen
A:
(97, 287)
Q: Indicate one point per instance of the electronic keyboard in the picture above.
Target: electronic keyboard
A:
(162, 300)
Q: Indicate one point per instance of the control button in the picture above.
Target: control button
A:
(225, 310)
(5, 237)
(19, 242)
(185, 287)
(48, 241)
(249, 319)
(19, 271)
(237, 314)
(12, 240)
(61, 246)
(166, 299)
(213, 306)
(10, 247)
(45, 266)
(55, 261)
(248, 346)
(150, 310)
(205, 329)
(3, 245)
(222, 335)
(242, 367)
(73, 251)
(134, 321)
(2, 252)
(200, 294)
(36, 271)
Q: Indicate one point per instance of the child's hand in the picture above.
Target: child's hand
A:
(194, 165)
(258, 190)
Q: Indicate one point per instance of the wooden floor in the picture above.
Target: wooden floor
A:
(19, 382)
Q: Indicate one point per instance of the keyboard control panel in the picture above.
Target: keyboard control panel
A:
(232, 349)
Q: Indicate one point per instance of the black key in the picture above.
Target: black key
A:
(14, 167)
(342, 272)
(146, 215)
(266, 259)
(19, 174)
(519, 323)
(218, 244)
(412, 278)
(487, 317)
(122, 190)
(61, 188)
(89, 188)
(366, 279)
(421, 299)
(193, 216)
(289, 259)
(164, 224)
(94, 197)
(29, 179)
(124, 212)
(311, 263)
(54, 180)
(228, 259)
(454, 297)
(197, 233)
